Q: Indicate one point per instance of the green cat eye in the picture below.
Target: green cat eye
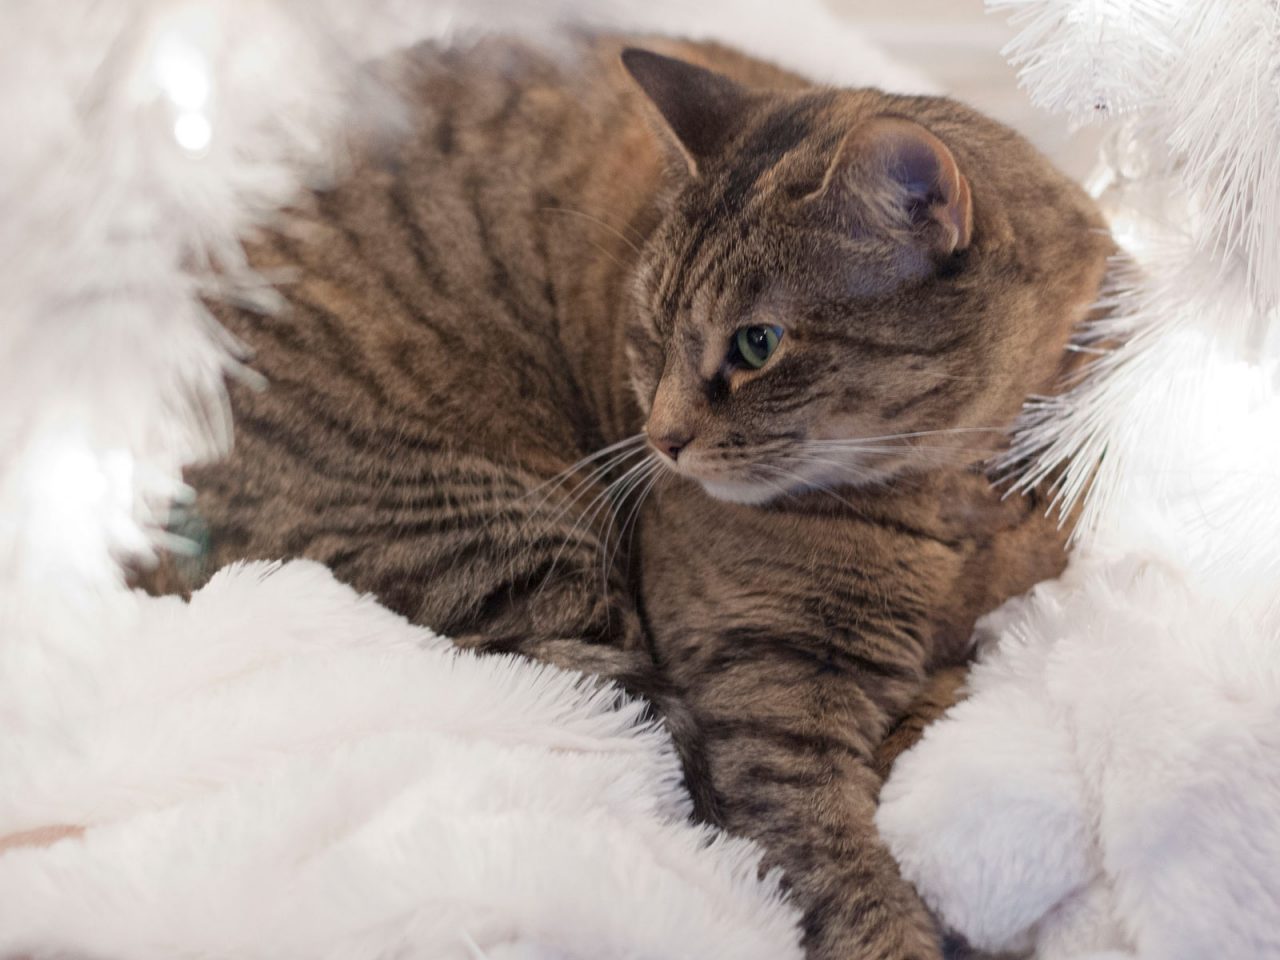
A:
(754, 345)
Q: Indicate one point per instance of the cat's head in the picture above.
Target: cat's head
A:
(846, 285)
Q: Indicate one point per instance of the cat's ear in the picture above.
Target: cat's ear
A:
(702, 108)
(894, 171)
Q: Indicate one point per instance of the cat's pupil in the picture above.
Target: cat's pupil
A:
(758, 337)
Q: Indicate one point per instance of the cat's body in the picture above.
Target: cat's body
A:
(468, 318)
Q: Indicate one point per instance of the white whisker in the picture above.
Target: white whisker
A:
(645, 478)
(600, 501)
(589, 481)
(573, 467)
(907, 436)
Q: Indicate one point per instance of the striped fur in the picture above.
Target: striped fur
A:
(475, 312)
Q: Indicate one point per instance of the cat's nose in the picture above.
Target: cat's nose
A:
(671, 443)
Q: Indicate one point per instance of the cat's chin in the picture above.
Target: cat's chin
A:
(748, 494)
(758, 494)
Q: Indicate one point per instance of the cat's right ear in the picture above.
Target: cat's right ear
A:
(702, 109)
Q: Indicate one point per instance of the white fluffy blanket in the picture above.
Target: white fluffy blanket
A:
(1111, 788)
(283, 769)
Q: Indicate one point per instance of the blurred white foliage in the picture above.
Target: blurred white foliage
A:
(153, 135)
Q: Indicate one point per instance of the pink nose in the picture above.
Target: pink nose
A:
(671, 443)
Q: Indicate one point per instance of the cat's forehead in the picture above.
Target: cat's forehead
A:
(720, 271)
(756, 301)
(786, 143)
(744, 232)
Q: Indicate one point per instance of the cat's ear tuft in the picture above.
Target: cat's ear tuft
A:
(702, 109)
(894, 171)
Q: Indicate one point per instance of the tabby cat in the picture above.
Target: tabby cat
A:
(799, 317)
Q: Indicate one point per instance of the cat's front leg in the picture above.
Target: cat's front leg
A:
(791, 757)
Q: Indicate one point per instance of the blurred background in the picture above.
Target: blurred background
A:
(958, 44)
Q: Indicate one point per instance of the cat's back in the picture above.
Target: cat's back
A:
(448, 288)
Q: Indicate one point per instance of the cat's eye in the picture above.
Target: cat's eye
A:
(752, 346)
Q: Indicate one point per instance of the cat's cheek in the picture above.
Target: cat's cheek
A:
(845, 426)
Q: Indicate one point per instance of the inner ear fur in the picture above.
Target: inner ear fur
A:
(893, 170)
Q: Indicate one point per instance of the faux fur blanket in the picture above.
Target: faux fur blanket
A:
(1110, 789)
(284, 769)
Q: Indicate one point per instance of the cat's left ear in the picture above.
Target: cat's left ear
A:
(892, 172)
(702, 108)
